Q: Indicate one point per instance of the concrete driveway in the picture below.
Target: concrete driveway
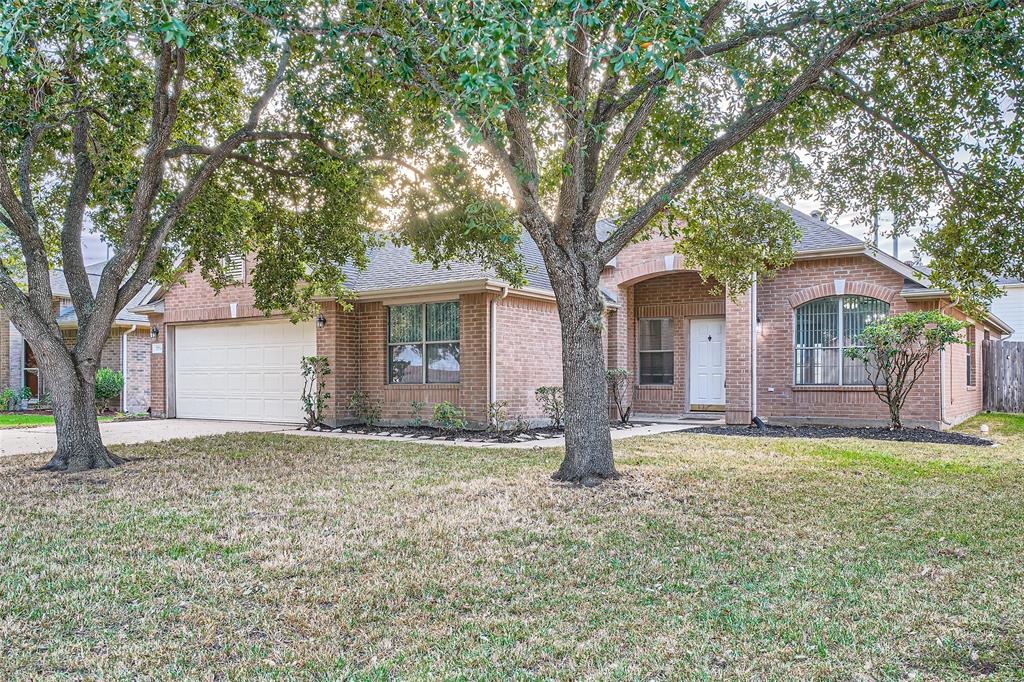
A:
(44, 438)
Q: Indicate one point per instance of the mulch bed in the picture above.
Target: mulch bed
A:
(917, 435)
(477, 436)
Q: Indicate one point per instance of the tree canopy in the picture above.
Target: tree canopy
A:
(181, 132)
(649, 110)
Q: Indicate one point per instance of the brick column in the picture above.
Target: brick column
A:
(737, 359)
(474, 383)
(337, 342)
(157, 372)
(617, 345)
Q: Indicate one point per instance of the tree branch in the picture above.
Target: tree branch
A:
(881, 27)
(577, 76)
(861, 103)
(74, 213)
(154, 244)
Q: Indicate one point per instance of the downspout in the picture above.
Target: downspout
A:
(942, 388)
(492, 360)
(124, 367)
(753, 353)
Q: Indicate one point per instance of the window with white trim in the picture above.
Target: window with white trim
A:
(656, 350)
(825, 328)
(423, 343)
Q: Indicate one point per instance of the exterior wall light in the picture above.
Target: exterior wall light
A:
(154, 332)
(321, 321)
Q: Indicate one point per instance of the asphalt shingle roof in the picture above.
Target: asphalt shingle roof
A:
(391, 266)
(59, 287)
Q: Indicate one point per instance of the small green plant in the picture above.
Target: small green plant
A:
(497, 417)
(552, 403)
(448, 417)
(519, 424)
(417, 412)
(314, 397)
(619, 384)
(365, 408)
(108, 386)
(9, 398)
(895, 351)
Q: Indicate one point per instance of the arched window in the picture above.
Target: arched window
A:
(825, 327)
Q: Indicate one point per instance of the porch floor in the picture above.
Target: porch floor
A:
(689, 419)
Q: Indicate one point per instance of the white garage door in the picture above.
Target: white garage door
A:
(244, 370)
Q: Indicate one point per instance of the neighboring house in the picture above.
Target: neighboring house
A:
(1010, 306)
(126, 351)
(459, 334)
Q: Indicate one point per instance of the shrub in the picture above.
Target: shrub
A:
(497, 416)
(448, 417)
(619, 383)
(9, 399)
(365, 408)
(552, 403)
(417, 412)
(108, 386)
(314, 397)
(895, 351)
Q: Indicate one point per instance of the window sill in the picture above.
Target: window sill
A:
(430, 385)
(828, 387)
(661, 387)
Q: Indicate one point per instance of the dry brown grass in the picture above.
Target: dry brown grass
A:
(713, 558)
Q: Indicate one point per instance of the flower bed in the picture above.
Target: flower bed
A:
(479, 436)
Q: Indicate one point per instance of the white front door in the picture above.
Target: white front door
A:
(241, 370)
(707, 362)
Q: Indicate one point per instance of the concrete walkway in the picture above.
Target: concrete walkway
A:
(34, 439)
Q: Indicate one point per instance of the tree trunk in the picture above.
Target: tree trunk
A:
(588, 441)
(71, 385)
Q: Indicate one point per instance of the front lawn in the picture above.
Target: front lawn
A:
(14, 420)
(276, 556)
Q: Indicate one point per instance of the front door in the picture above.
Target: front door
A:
(707, 364)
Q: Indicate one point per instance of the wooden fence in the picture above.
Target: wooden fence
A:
(1004, 375)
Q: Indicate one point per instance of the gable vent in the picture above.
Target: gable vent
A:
(234, 267)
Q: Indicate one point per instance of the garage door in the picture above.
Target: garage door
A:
(247, 370)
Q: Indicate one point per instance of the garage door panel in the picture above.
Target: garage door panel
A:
(245, 371)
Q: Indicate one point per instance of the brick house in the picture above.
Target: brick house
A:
(415, 334)
(126, 351)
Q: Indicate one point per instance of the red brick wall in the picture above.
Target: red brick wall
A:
(778, 399)
(680, 296)
(137, 378)
(5, 350)
(529, 345)
(963, 401)
(194, 300)
(369, 373)
(157, 392)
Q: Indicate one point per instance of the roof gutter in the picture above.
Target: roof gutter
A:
(448, 288)
(935, 294)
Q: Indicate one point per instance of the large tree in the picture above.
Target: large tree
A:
(679, 117)
(182, 132)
